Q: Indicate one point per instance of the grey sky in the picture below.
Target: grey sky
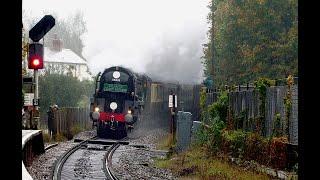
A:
(160, 37)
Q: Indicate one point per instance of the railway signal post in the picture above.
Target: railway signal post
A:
(35, 59)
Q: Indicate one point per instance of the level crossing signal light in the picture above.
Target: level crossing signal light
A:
(35, 60)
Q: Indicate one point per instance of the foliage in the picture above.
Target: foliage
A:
(234, 142)
(217, 139)
(261, 85)
(245, 145)
(198, 165)
(69, 30)
(238, 123)
(278, 152)
(288, 101)
(277, 132)
(215, 136)
(256, 148)
(65, 91)
(202, 135)
(203, 99)
(250, 39)
(219, 109)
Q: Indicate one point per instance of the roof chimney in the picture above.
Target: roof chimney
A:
(56, 43)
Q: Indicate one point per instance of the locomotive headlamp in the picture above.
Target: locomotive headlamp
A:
(129, 111)
(96, 109)
(95, 115)
(116, 74)
(113, 105)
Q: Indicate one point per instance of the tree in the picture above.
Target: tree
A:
(69, 30)
(252, 38)
(66, 91)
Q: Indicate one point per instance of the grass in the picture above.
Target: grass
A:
(75, 129)
(196, 164)
(60, 137)
(166, 143)
(46, 137)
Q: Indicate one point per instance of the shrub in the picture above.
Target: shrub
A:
(215, 136)
(256, 148)
(219, 109)
(278, 152)
(203, 98)
(276, 131)
(202, 135)
(234, 142)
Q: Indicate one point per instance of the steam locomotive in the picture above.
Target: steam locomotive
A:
(118, 101)
(122, 96)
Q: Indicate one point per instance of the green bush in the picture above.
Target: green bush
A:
(202, 135)
(234, 142)
(219, 109)
(203, 109)
(277, 131)
(215, 136)
(212, 136)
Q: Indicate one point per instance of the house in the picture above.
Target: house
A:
(64, 61)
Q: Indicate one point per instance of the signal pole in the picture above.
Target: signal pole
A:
(35, 60)
(36, 97)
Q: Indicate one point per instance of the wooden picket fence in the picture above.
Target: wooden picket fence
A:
(68, 118)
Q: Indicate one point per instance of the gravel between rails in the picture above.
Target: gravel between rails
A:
(42, 165)
(128, 162)
(138, 163)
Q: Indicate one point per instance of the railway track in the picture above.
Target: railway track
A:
(108, 160)
(87, 160)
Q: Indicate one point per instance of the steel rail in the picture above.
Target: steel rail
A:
(56, 175)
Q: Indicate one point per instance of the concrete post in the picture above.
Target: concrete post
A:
(184, 124)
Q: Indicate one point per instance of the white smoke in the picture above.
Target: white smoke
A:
(162, 38)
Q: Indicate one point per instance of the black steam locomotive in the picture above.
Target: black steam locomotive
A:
(118, 101)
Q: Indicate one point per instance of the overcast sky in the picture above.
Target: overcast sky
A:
(162, 38)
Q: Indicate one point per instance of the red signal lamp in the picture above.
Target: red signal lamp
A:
(36, 62)
(35, 56)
